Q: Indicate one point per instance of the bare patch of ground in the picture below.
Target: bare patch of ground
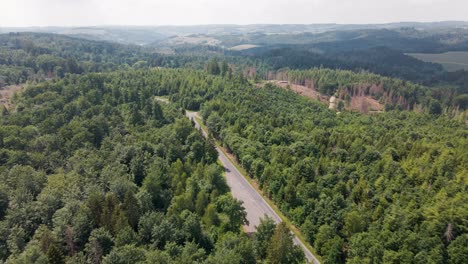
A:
(6, 93)
(303, 90)
(194, 40)
(363, 104)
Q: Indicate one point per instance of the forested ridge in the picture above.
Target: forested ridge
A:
(380, 60)
(391, 92)
(33, 56)
(37, 57)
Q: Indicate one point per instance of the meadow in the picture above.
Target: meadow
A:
(451, 61)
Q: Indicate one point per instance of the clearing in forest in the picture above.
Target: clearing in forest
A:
(451, 61)
(6, 93)
(363, 104)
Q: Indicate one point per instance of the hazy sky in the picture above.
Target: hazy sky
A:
(189, 12)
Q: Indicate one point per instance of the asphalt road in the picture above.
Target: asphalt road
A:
(255, 206)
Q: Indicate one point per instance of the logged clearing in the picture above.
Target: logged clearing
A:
(451, 61)
(6, 93)
(194, 40)
(363, 104)
(303, 90)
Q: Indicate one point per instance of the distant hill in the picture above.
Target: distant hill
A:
(452, 61)
(123, 35)
(143, 35)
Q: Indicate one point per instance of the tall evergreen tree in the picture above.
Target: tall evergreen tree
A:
(55, 255)
(281, 249)
(213, 67)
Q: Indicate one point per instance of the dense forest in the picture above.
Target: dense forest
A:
(95, 169)
(39, 56)
(379, 60)
(390, 188)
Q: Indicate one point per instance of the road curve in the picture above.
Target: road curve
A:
(255, 206)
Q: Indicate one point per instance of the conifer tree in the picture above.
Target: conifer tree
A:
(281, 249)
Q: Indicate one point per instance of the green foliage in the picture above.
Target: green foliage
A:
(127, 254)
(127, 236)
(462, 101)
(213, 67)
(281, 249)
(265, 231)
(55, 255)
(458, 250)
(131, 209)
(353, 223)
(39, 56)
(362, 188)
(389, 91)
(100, 244)
(224, 69)
(31, 254)
(3, 202)
(16, 240)
(119, 176)
(233, 210)
(94, 170)
(214, 124)
(232, 248)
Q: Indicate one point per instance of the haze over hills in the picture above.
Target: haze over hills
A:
(142, 35)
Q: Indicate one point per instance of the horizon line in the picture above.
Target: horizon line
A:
(234, 24)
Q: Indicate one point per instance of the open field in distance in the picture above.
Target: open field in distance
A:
(452, 61)
(244, 47)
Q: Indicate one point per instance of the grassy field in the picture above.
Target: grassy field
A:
(244, 47)
(451, 61)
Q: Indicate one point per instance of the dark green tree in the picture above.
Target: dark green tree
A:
(55, 255)
(234, 211)
(224, 68)
(458, 250)
(281, 249)
(265, 231)
(213, 67)
(100, 244)
(132, 209)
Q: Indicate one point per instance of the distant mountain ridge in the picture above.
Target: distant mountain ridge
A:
(143, 35)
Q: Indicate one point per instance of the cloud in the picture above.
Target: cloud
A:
(426, 2)
(180, 12)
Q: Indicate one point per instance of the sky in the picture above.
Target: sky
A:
(20, 13)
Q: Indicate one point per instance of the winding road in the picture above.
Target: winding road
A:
(255, 206)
